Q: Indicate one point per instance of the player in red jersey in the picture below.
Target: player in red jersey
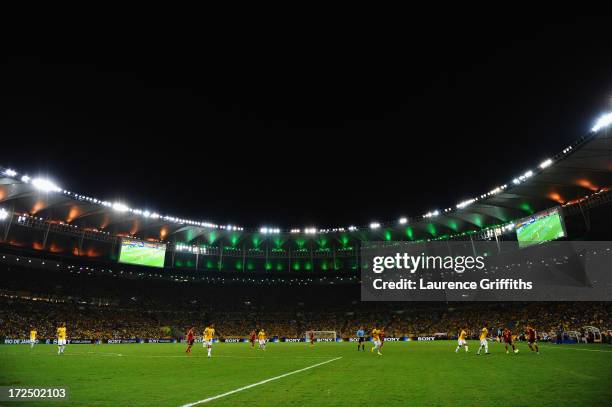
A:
(381, 335)
(190, 340)
(252, 338)
(311, 337)
(507, 335)
(532, 339)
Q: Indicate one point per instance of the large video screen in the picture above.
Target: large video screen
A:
(142, 253)
(539, 228)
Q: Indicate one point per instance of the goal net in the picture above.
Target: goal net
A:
(323, 335)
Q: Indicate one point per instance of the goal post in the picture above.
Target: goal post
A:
(323, 335)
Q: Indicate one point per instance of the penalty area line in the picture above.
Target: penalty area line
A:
(250, 386)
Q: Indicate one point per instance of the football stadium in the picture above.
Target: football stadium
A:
(132, 290)
(420, 224)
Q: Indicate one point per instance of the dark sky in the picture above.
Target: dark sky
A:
(325, 130)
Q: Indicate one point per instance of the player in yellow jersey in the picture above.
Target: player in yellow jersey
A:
(209, 334)
(33, 337)
(462, 341)
(61, 338)
(483, 341)
(261, 337)
(376, 340)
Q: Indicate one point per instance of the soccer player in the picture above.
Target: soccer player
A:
(209, 334)
(376, 339)
(462, 341)
(532, 340)
(381, 335)
(190, 340)
(252, 338)
(261, 337)
(33, 337)
(311, 337)
(61, 338)
(360, 339)
(507, 335)
(483, 341)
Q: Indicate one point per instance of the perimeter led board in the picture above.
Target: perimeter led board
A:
(142, 253)
(539, 228)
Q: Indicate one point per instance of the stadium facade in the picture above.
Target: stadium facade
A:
(41, 220)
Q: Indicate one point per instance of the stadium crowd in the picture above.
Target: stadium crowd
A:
(102, 307)
(87, 321)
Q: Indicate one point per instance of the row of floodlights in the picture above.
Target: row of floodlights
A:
(48, 186)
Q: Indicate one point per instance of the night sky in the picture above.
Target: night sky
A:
(316, 129)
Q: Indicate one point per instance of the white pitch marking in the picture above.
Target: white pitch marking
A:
(257, 384)
(229, 356)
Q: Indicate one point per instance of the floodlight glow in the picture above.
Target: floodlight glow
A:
(603, 121)
(25, 179)
(403, 221)
(463, 204)
(119, 207)
(3, 214)
(45, 185)
(374, 225)
(546, 163)
(10, 173)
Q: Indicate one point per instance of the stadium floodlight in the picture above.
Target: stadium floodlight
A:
(25, 179)
(374, 225)
(10, 173)
(119, 207)
(403, 220)
(603, 121)
(310, 231)
(45, 185)
(352, 228)
(3, 214)
(463, 204)
(546, 163)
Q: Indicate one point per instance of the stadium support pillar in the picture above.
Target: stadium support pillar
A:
(473, 246)
(46, 235)
(243, 257)
(289, 258)
(312, 258)
(80, 248)
(8, 223)
(586, 216)
(220, 256)
(497, 241)
(334, 257)
(173, 252)
(197, 257)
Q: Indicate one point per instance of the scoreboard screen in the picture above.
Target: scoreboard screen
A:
(142, 253)
(539, 228)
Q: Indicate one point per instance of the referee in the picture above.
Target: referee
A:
(360, 339)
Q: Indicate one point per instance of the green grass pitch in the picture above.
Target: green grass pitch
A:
(408, 373)
(144, 256)
(542, 230)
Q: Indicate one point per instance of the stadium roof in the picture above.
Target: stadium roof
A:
(581, 169)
